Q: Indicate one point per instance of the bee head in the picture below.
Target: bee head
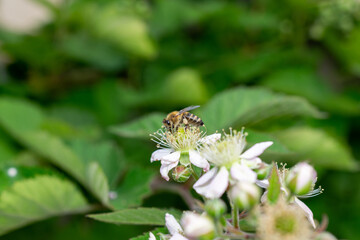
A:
(166, 122)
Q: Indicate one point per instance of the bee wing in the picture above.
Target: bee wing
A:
(187, 109)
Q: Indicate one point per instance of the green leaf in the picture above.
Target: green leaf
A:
(134, 188)
(184, 86)
(140, 128)
(12, 112)
(105, 153)
(125, 30)
(254, 137)
(317, 146)
(306, 83)
(250, 106)
(11, 174)
(146, 236)
(50, 147)
(53, 149)
(7, 151)
(97, 182)
(39, 198)
(274, 185)
(139, 216)
(76, 46)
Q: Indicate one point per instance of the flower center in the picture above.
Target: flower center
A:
(285, 224)
(184, 139)
(225, 152)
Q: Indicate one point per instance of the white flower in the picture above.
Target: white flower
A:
(296, 200)
(182, 142)
(174, 228)
(231, 163)
(196, 225)
(151, 236)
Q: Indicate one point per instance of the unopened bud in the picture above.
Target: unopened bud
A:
(181, 173)
(301, 178)
(197, 226)
(244, 195)
(263, 171)
(215, 208)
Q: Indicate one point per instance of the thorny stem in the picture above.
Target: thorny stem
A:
(158, 185)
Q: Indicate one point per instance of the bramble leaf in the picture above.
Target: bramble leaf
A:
(139, 216)
(39, 198)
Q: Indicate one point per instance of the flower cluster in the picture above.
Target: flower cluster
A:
(180, 147)
(229, 167)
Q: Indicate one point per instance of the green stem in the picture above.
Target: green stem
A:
(218, 228)
(235, 216)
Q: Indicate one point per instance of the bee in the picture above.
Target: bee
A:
(174, 119)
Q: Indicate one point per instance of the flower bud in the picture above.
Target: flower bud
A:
(263, 171)
(215, 208)
(244, 195)
(181, 173)
(301, 179)
(197, 226)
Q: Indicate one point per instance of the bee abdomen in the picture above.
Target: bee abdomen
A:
(193, 119)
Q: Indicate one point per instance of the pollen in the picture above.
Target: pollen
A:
(183, 139)
(283, 221)
(227, 151)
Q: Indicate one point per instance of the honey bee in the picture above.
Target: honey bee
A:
(174, 119)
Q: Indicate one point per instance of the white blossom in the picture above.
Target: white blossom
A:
(193, 225)
(231, 164)
(196, 225)
(173, 145)
(174, 228)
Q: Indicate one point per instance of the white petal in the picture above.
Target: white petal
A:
(165, 168)
(196, 225)
(214, 187)
(307, 211)
(262, 183)
(204, 179)
(264, 197)
(256, 150)
(158, 154)
(178, 236)
(172, 225)
(171, 158)
(242, 173)
(198, 160)
(151, 236)
(211, 138)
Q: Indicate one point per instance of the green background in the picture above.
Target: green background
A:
(81, 93)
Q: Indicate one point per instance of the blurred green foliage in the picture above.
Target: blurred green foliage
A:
(80, 95)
